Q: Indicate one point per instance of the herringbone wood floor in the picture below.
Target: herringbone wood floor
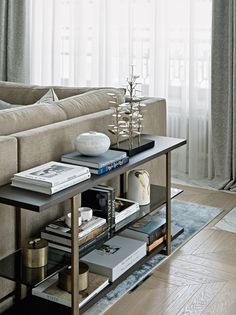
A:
(199, 278)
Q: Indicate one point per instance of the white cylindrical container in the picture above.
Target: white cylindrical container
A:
(139, 186)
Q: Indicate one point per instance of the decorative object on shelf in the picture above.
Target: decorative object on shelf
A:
(86, 213)
(68, 219)
(92, 143)
(65, 277)
(35, 275)
(139, 186)
(128, 120)
(35, 253)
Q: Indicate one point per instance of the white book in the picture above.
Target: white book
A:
(115, 256)
(50, 290)
(51, 174)
(50, 190)
(124, 208)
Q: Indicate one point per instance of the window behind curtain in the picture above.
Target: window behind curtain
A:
(93, 42)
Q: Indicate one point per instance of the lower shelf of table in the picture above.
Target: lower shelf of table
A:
(41, 306)
(11, 267)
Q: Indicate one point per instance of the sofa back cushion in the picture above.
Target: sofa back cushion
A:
(28, 117)
(19, 93)
(89, 102)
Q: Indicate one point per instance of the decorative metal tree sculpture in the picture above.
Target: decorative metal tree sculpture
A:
(117, 127)
(133, 115)
(128, 119)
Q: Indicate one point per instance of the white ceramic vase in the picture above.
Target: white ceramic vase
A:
(139, 186)
(92, 143)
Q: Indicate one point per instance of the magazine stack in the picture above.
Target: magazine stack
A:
(51, 177)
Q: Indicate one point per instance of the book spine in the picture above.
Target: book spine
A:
(99, 200)
(91, 164)
(110, 167)
(76, 180)
(84, 248)
(66, 240)
(45, 183)
(157, 234)
(156, 243)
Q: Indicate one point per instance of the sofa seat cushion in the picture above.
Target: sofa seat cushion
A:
(89, 102)
(28, 117)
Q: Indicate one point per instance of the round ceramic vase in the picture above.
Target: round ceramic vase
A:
(92, 143)
(139, 186)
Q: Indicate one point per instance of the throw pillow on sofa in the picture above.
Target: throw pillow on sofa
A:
(48, 98)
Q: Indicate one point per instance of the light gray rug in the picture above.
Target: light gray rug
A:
(192, 217)
(228, 222)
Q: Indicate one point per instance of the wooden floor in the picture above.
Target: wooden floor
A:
(199, 278)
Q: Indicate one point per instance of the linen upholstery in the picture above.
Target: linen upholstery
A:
(8, 167)
(27, 117)
(18, 93)
(87, 103)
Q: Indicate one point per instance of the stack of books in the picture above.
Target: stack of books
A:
(98, 165)
(91, 233)
(151, 229)
(117, 211)
(50, 177)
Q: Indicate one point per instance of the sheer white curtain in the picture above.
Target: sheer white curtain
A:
(93, 42)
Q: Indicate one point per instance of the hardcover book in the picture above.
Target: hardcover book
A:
(109, 167)
(50, 290)
(51, 174)
(85, 247)
(110, 156)
(115, 257)
(99, 199)
(60, 228)
(50, 190)
(149, 228)
(124, 208)
(66, 240)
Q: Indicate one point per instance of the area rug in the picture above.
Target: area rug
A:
(192, 217)
(228, 222)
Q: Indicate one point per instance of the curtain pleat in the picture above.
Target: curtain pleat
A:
(14, 57)
(224, 94)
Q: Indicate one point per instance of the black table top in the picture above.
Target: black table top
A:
(38, 202)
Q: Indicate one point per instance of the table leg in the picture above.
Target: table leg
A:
(123, 188)
(168, 203)
(75, 258)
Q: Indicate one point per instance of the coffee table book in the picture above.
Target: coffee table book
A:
(148, 229)
(124, 208)
(115, 256)
(66, 240)
(50, 290)
(51, 174)
(50, 190)
(60, 228)
(109, 157)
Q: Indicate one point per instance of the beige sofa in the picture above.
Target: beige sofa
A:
(34, 134)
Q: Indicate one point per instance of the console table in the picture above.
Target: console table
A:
(10, 266)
